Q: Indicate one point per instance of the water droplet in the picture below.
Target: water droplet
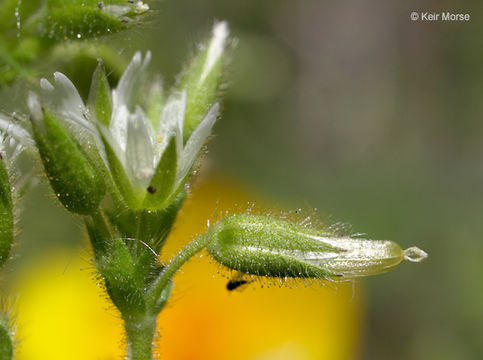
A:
(415, 254)
(17, 16)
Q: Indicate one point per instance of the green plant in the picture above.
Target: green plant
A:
(122, 160)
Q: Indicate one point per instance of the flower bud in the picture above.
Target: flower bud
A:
(72, 174)
(201, 79)
(266, 246)
(87, 19)
(6, 214)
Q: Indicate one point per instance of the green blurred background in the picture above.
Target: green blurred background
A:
(356, 110)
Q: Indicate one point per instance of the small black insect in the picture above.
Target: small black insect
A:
(151, 189)
(234, 284)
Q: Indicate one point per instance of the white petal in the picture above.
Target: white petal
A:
(70, 96)
(124, 96)
(34, 106)
(46, 85)
(171, 123)
(64, 100)
(70, 100)
(118, 126)
(114, 146)
(195, 142)
(128, 86)
(216, 47)
(139, 150)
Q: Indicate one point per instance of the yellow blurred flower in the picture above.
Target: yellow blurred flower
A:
(62, 313)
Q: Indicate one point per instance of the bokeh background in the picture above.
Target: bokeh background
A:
(347, 107)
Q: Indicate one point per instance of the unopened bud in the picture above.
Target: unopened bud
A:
(202, 78)
(72, 174)
(86, 19)
(266, 246)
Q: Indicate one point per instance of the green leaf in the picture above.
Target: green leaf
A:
(99, 101)
(161, 185)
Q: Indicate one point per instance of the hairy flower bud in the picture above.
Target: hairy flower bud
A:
(92, 18)
(72, 174)
(202, 78)
(266, 246)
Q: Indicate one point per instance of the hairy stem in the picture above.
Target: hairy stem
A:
(140, 334)
(174, 265)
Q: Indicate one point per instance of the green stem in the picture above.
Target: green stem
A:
(174, 265)
(140, 333)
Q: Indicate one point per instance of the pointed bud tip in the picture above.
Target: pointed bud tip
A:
(415, 254)
(216, 47)
(220, 30)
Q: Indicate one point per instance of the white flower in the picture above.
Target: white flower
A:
(137, 141)
(137, 144)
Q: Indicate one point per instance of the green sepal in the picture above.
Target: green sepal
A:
(162, 182)
(6, 345)
(199, 96)
(153, 229)
(200, 93)
(155, 226)
(123, 284)
(100, 233)
(266, 246)
(120, 177)
(6, 214)
(99, 101)
(72, 174)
